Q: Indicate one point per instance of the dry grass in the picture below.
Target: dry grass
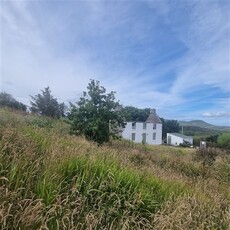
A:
(51, 180)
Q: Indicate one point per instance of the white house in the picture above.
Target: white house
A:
(149, 132)
(177, 139)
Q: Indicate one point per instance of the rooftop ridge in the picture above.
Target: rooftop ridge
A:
(153, 118)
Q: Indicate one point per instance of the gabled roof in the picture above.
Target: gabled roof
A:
(179, 135)
(153, 118)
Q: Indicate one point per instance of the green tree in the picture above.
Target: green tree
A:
(97, 115)
(224, 140)
(46, 104)
(131, 113)
(169, 126)
(6, 100)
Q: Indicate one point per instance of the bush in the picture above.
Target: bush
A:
(224, 140)
(185, 144)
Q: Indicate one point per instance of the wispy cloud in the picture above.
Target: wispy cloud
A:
(216, 114)
(29, 60)
(206, 34)
(154, 54)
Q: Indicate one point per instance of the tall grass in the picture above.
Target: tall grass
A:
(51, 180)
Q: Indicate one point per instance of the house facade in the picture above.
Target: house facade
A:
(148, 132)
(176, 139)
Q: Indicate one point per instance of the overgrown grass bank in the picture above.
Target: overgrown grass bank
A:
(51, 180)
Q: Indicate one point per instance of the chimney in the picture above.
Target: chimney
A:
(152, 111)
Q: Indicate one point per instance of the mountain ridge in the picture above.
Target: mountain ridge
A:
(203, 124)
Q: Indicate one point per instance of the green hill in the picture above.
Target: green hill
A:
(205, 125)
(52, 180)
(201, 129)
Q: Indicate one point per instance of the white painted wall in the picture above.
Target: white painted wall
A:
(139, 130)
(175, 140)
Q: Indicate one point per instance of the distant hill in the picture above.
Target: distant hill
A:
(203, 124)
(199, 124)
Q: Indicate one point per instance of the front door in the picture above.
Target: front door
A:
(144, 138)
(169, 140)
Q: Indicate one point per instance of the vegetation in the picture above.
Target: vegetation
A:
(6, 100)
(203, 125)
(201, 130)
(96, 115)
(215, 136)
(224, 140)
(45, 104)
(131, 113)
(169, 126)
(51, 180)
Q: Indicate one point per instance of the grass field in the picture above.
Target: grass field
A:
(51, 180)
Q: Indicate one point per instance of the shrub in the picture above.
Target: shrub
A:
(224, 140)
(185, 144)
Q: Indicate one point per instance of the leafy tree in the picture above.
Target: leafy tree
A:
(8, 101)
(62, 109)
(169, 126)
(46, 104)
(131, 113)
(224, 140)
(212, 140)
(97, 115)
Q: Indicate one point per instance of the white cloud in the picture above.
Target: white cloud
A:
(216, 114)
(28, 60)
(206, 34)
(50, 50)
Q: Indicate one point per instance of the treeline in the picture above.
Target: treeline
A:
(41, 104)
(6, 100)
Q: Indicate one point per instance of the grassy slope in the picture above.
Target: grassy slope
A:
(50, 179)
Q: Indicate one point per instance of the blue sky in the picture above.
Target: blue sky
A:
(170, 55)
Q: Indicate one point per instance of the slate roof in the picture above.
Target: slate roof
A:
(153, 118)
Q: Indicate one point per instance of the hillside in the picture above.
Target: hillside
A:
(204, 125)
(52, 180)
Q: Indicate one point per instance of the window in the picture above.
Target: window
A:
(144, 125)
(133, 125)
(154, 136)
(154, 126)
(133, 136)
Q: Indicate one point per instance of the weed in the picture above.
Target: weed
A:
(51, 180)
(206, 155)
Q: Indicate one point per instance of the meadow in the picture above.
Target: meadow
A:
(52, 180)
